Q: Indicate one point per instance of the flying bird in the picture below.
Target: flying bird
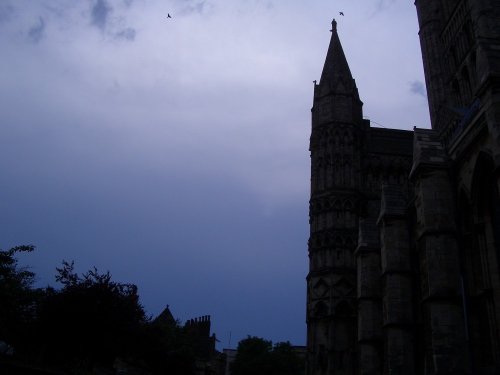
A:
(341, 13)
(168, 15)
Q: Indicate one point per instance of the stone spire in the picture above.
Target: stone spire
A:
(336, 74)
(336, 98)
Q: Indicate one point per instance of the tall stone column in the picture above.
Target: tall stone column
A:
(370, 343)
(438, 255)
(429, 19)
(397, 283)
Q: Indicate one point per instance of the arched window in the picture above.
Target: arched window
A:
(345, 328)
(456, 92)
(479, 223)
(466, 83)
(348, 205)
(473, 71)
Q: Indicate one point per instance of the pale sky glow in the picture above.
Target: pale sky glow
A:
(174, 152)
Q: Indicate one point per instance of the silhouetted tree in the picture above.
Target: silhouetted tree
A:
(17, 298)
(91, 320)
(252, 357)
(166, 349)
(258, 356)
(285, 361)
(87, 324)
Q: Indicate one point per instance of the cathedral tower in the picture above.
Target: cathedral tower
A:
(335, 164)
(460, 42)
(404, 248)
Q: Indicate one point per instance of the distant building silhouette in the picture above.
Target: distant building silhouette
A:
(404, 247)
(197, 331)
(165, 319)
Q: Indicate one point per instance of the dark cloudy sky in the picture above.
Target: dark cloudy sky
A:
(174, 152)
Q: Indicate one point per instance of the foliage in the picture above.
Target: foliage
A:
(91, 320)
(18, 298)
(258, 356)
(286, 361)
(90, 323)
(166, 349)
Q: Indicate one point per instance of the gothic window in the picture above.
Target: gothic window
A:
(345, 138)
(345, 328)
(454, 56)
(472, 68)
(480, 228)
(348, 205)
(349, 215)
(456, 92)
(329, 176)
(337, 207)
(468, 34)
(331, 202)
(466, 83)
(337, 172)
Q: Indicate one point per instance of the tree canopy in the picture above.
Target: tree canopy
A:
(258, 356)
(18, 298)
(94, 324)
(92, 319)
(91, 322)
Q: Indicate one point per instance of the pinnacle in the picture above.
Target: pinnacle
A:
(336, 68)
(334, 26)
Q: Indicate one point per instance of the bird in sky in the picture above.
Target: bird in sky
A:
(168, 15)
(341, 13)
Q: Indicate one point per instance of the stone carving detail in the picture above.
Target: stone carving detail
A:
(343, 287)
(321, 288)
(379, 170)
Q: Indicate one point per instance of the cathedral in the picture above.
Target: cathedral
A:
(404, 247)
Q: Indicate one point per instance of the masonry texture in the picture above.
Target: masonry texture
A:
(404, 248)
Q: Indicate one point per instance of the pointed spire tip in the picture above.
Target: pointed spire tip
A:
(334, 25)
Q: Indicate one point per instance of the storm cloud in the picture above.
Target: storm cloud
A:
(100, 14)
(128, 34)
(418, 88)
(37, 31)
(6, 11)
